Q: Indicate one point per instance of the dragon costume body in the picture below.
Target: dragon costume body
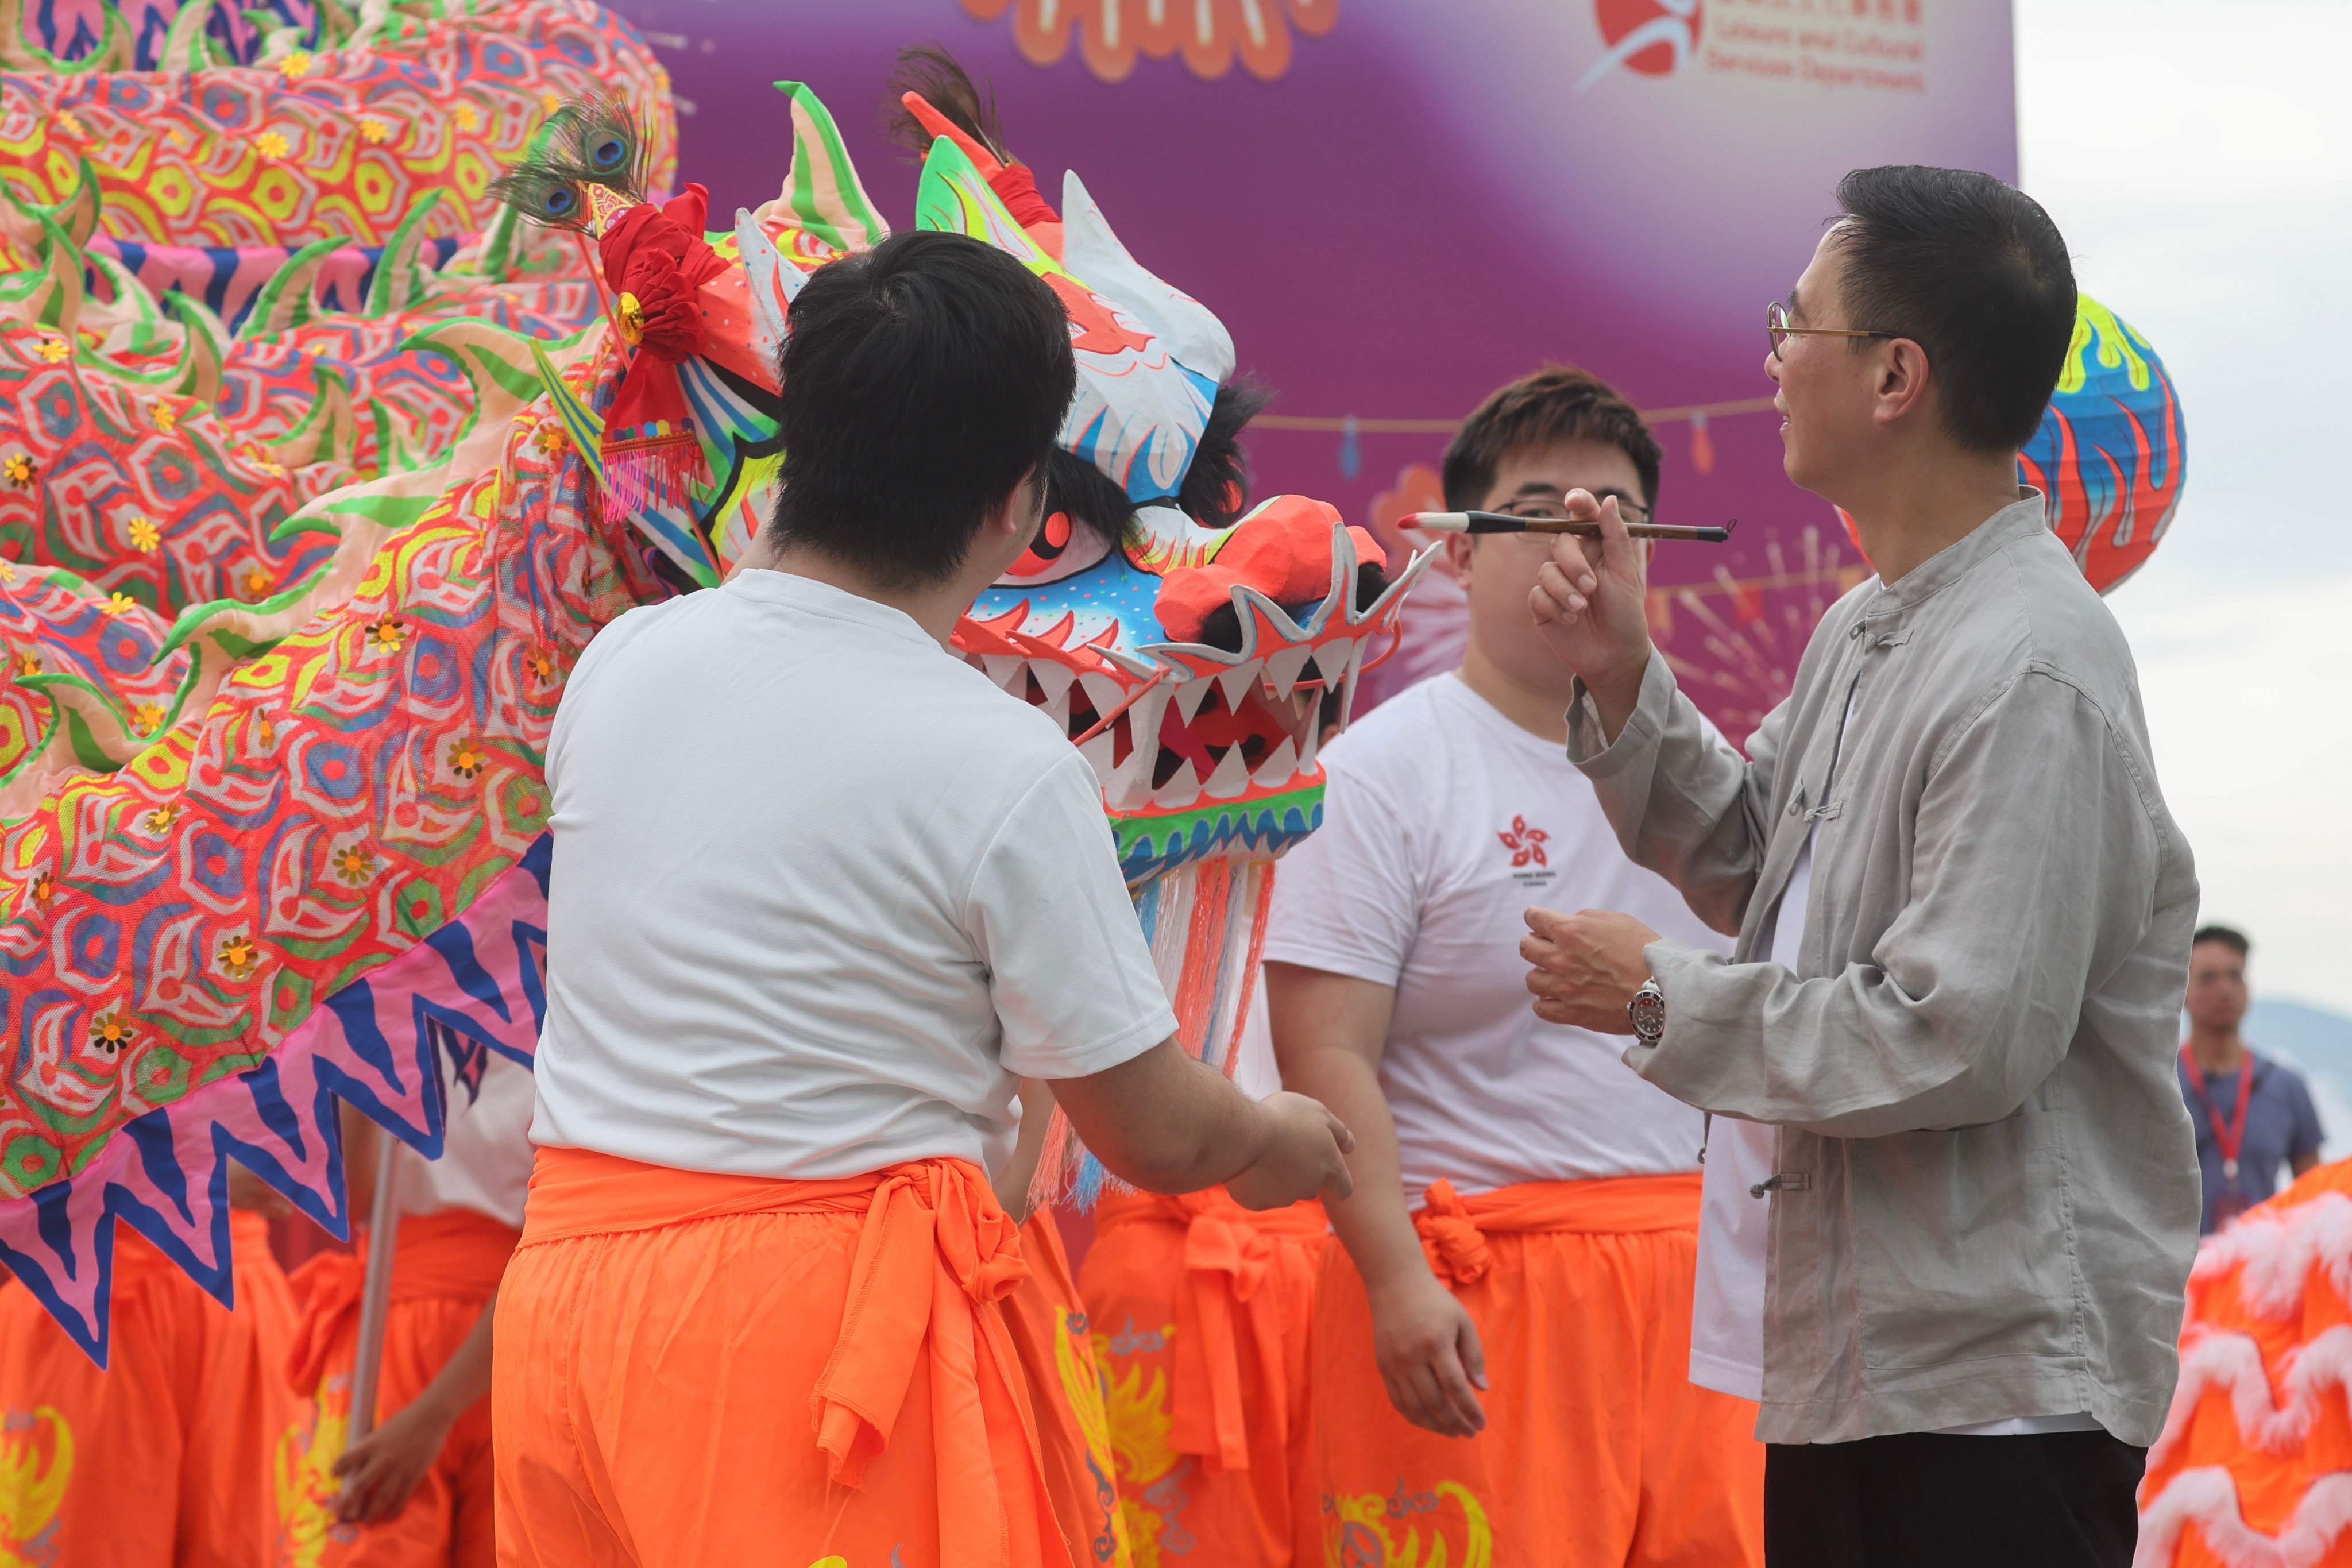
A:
(328, 862)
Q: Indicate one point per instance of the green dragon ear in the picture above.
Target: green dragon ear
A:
(49, 292)
(114, 51)
(328, 430)
(821, 193)
(290, 298)
(205, 348)
(402, 280)
(954, 199)
(76, 215)
(186, 48)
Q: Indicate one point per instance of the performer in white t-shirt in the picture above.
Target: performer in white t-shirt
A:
(821, 896)
(1517, 1261)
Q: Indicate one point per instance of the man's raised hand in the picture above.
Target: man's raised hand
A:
(1591, 604)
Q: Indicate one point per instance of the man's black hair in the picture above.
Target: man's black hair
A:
(1559, 402)
(1973, 272)
(2231, 939)
(922, 379)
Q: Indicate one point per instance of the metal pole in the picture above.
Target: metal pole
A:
(375, 1292)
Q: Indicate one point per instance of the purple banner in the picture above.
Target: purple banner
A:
(1396, 206)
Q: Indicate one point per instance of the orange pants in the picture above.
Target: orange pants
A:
(444, 1267)
(1201, 1311)
(1066, 1395)
(169, 1456)
(1598, 1450)
(696, 1369)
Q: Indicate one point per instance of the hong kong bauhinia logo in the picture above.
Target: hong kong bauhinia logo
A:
(1649, 38)
(1526, 844)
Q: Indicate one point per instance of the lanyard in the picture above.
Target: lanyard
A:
(2229, 1138)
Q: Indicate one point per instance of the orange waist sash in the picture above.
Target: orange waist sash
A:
(1453, 1230)
(138, 1260)
(932, 1250)
(1228, 1251)
(453, 1255)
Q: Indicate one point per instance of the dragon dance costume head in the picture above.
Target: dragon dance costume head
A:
(268, 849)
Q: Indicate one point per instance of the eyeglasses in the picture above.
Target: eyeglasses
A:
(1540, 509)
(1777, 329)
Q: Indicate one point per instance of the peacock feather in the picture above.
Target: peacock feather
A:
(593, 140)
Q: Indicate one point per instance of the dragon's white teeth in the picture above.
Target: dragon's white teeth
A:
(1053, 677)
(1180, 791)
(1099, 753)
(1230, 778)
(1279, 768)
(1237, 681)
(1282, 668)
(1333, 658)
(1311, 739)
(1102, 691)
(1005, 669)
(1189, 697)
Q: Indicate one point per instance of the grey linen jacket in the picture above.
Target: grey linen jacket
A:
(1986, 1193)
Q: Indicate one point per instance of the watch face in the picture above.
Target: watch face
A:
(1649, 1012)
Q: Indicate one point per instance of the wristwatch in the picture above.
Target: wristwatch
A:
(1648, 1010)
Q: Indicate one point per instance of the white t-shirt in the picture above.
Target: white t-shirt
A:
(820, 893)
(1443, 821)
(1734, 1226)
(485, 1152)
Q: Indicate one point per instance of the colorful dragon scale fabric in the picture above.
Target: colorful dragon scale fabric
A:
(325, 867)
(222, 151)
(2111, 454)
(326, 873)
(2255, 1466)
(213, 169)
(155, 474)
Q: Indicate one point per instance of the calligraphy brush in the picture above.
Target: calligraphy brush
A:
(1504, 522)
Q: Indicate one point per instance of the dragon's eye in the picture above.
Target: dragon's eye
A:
(609, 153)
(560, 202)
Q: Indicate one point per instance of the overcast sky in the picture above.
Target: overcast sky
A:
(2198, 158)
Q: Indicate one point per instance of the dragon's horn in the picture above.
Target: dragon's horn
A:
(953, 197)
(939, 125)
(821, 190)
(1094, 256)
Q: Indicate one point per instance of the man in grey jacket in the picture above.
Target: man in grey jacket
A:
(1963, 916)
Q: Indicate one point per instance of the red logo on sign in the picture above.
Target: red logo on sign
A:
(1651, 36)
(1526, 844)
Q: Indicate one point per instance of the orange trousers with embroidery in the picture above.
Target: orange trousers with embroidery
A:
(696, 1369)
(1598, 1449)
(169, 1458)
(1201, 1311)
(444, 1267)
(1066, 1395)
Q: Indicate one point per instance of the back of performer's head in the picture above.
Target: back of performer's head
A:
(1971, 269)
(924, 380)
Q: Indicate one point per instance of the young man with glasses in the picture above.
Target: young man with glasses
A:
(1963, 917)
(1499, 1347)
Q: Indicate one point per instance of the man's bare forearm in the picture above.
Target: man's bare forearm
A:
(1166, 1122)
(1374, 1224)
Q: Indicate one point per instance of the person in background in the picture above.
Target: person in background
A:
(170, 1455)
(2252, 1114)
(1502, 1341)
(415, 1492)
